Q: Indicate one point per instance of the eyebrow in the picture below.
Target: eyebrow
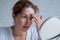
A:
(24, 14)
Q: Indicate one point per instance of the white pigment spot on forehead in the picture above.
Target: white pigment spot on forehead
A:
(31, 10)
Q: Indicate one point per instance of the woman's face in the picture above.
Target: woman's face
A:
(24, 19)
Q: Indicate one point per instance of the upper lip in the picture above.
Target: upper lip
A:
(26, 26)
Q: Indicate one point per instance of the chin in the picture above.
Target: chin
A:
(25, 29)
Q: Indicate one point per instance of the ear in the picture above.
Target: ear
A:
(13, 15)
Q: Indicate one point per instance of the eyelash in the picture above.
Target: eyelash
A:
(23, 17)
(31, 17)
(26, 17)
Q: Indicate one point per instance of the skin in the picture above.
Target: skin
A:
(23, 21)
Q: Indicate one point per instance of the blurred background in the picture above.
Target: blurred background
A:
(47, 8)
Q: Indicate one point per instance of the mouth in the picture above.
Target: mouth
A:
(26, 26)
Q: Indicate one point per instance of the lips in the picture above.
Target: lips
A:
(26, 26)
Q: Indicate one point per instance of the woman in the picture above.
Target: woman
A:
(24, 13)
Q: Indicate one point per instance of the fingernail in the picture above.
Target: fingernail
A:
(41, 17)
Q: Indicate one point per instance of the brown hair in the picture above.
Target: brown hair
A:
(21, 4)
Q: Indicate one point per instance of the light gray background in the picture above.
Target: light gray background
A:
(47, 9)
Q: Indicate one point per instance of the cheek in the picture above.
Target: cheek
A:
(22, 21)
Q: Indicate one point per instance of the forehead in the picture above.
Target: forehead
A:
(28, 10)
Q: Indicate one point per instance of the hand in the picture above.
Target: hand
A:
(37, 20)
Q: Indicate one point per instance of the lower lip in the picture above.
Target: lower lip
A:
(26, 27)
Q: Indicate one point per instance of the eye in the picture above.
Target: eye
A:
(31, 18)
(24, 17)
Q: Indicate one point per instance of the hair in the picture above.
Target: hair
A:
(21, 4)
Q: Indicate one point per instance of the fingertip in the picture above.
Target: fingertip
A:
(40, 17)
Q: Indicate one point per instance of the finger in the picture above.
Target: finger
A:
(35, 17)
(40, 17)
(36, 20)
(40, 22)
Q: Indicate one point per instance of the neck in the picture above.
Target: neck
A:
(17, 32)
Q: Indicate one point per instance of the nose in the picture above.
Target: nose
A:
(28, 20)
